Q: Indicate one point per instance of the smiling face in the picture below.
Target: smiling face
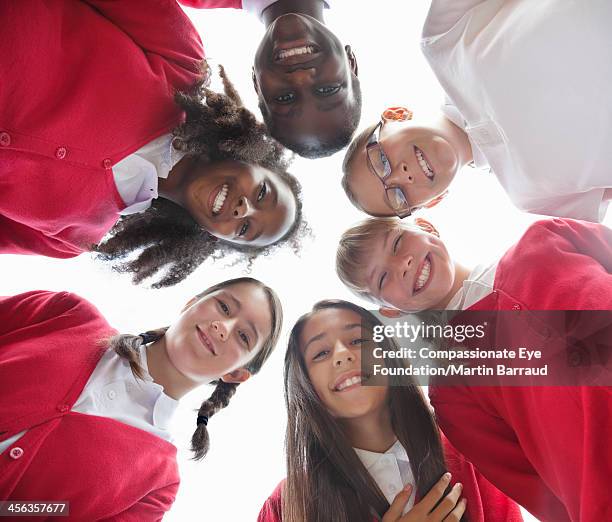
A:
(220, 332)
(331, 343)
(408, 269)
(422, 163)
(240, 203)
(304, 80)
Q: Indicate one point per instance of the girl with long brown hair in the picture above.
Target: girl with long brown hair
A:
(84, 411)
(362, 453)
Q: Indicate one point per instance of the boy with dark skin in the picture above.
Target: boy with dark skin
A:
(307, 83)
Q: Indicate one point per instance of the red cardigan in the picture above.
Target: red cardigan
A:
(83, 85)
(546, 447)
(485, 503)
(107, 470)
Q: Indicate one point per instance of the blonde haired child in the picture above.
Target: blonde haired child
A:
(534, 444)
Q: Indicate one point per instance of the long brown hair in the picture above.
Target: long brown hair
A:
(127, 346)
(326, 481)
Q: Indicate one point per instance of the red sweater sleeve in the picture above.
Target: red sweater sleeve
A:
(163, 31)
(485, 503)
(16, 238)
(473, 427)
(151, 508)
(271, 511)
(212, 4)
(564, 265)
(24, 310)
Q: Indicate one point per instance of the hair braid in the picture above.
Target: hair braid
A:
(218, 400)
(127, 347)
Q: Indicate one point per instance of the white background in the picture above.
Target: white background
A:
(477, 222)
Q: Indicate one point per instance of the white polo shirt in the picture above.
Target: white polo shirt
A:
(531, 81)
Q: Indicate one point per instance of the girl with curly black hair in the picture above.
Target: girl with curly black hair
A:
(127, 137)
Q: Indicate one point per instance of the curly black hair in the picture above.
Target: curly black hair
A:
(217, 127)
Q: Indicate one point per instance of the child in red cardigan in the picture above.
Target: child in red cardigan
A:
(358, 453)
(84, 410)
(546, 447)
(94, 138)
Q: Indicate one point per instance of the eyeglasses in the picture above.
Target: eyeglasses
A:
(381, 167)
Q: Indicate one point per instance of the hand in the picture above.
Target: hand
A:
(450, 508)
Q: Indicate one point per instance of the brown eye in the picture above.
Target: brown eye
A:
(243, 229)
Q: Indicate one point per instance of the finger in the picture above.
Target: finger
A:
(398, 504)
(434, 495)
(456, 514)
(447, 504)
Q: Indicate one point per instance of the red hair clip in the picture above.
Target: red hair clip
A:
(397, 114)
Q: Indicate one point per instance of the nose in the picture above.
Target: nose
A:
(403, 265)
(243, 208)
(342, 355)
(400, 174)
(222, 329)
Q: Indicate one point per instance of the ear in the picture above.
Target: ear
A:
(436, 200)
(391, 313)
(426, 226)
(254, 78)
(237, 376)
(352, 60)
(397, 114)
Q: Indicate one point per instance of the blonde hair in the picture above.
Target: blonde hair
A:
(355, 249)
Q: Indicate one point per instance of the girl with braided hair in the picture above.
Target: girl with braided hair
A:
(84, 410)
(136, 145)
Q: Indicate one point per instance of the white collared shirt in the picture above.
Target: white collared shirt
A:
(390, 470)
(531, 80)
(477, 286)
(136, 176)
(112, 391)
(257, 7)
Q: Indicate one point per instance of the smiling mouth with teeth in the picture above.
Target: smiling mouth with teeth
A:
(220, 198)
(423, 163)
(346, 383)
(295, 51)
(423, 275)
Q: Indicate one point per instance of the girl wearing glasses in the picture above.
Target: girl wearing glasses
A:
(527, 100)
(363, 453)
(95, 139)
(535, 443)
(84, 410)
(388, 167)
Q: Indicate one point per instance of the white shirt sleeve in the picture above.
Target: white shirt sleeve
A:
(257, 7)
(444, 14)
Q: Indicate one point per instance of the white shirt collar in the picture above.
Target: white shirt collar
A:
(257, 7)
(164, 406)
(370, 458)
(477, 286)
(390, 470)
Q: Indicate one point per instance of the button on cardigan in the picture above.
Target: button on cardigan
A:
(107, 470)
(85, 84)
